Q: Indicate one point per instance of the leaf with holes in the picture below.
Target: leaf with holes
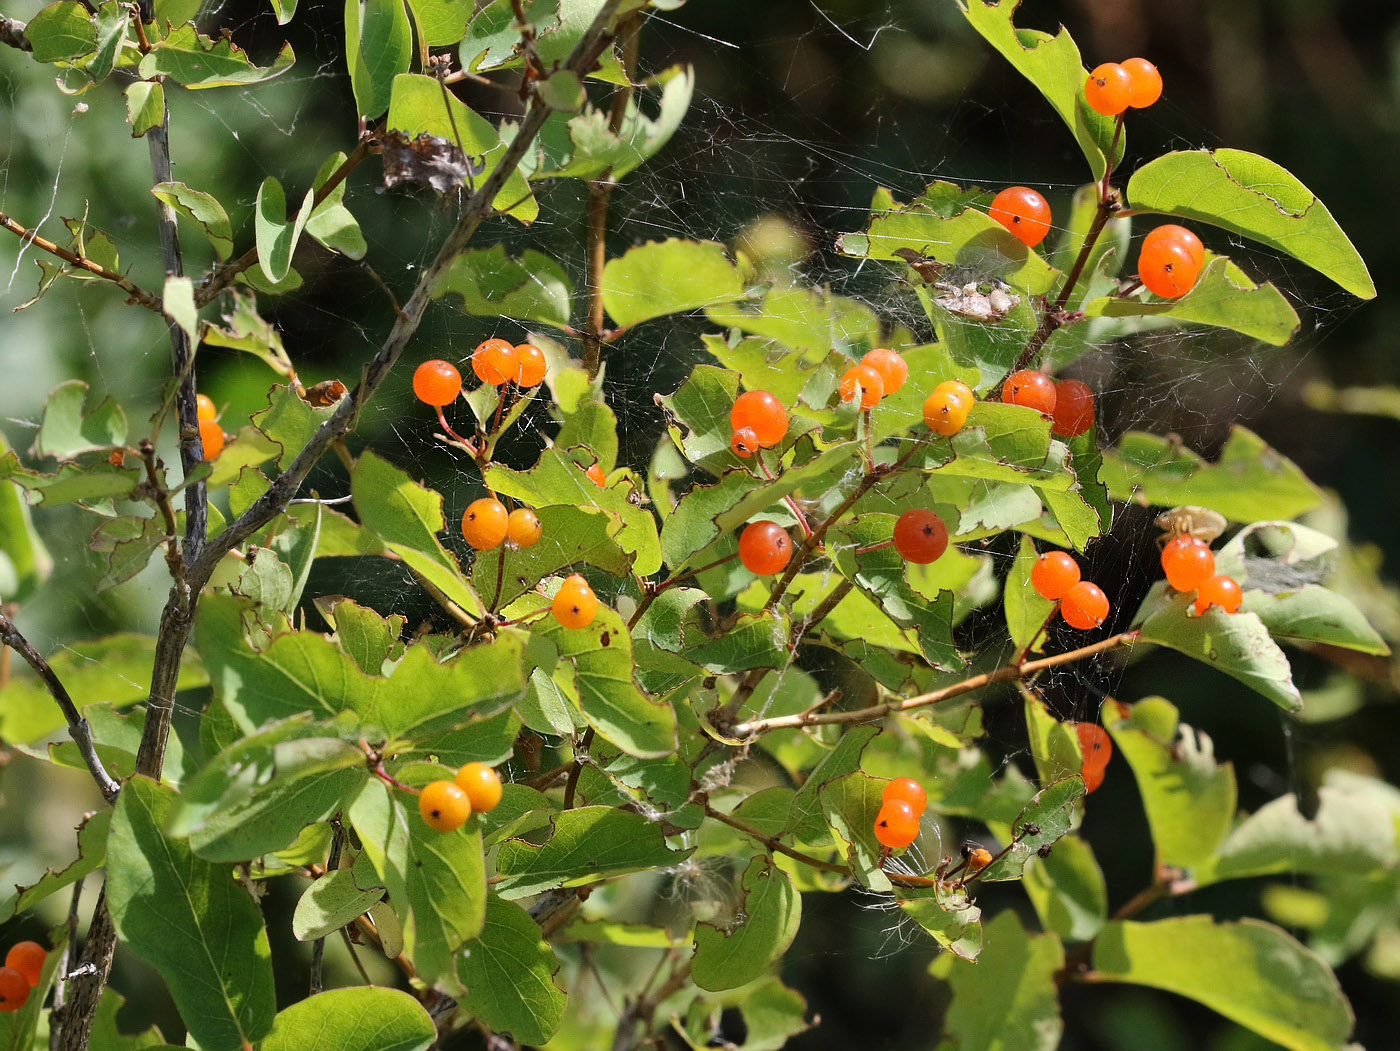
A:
(766, 918)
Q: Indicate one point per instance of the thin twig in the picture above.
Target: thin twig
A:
(332, 863)
(774, 843)
(135, 293)
(580, 758)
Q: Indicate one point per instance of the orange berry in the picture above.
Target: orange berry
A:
(946, 409)
(1022, 211)
(765, 548)
(1053, 574)
(575, 605)
(531, 365)
(495, 362)
(1147, 82)
(205, 408)
(872, 388)
(920, 536)
(1109, 89)
(891, 366)
(897, 824)
(14, 989)
(523, 529)
(596, 475)
(211, 436)
(1187, 562)
(437, 383)
(482, 785)
(28, 959)
(978, 859)
(744, 443)
(1074, 408)
(485, 523)
(1030, 388)
(762, 413)
(1168, 268)
(444, 806)
(907, 789)
(1096, 748)
(1084, 606)
(1173, 232)
(1219, 591)
(118, 457)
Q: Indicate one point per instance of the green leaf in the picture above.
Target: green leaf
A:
(1249, 482)
(330, 903)
(177, 300)
(508, 972)
(285, 10)
(248, 331)
(1026, 612)
(850, 804)
(441, 22)
(491, 38)
(1189, 798)
(808, 319)
(766, 919)
(289, 422)
(1223, 297)
(72, 482)
(1236, 643)
(145, 106)
(436, 880)
(107, 1036)
(595, 672)
(189, 919)
(491, 284)
(1008, 998)
(277, 236)
(203, 208)
(1053, 65)
(573, 536)
(698, 417)
(66, 431)
(330, 222)
(378, 48)
(113, 22)
(198, 61)
(668, 277)
(361, 1018)
(947, 915)
(1049, 815)
(61, 32)
(115, 669)
(1250, 972)
(118, 739)
(585, 844)
(1068, 890)
(175, 12)
(127, 542)
(92, 854)
(24, 561)
(1251, 195)
(991, 346)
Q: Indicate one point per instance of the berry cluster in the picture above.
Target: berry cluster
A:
(446, 805)
(495, 362)
(1115, 86)
(1095, 749)
(879, 374)
(486, 525)
(1189, 565)
(23, 965)
(1068, 403)
(759, 421)
(902, 804)
(1056, 576)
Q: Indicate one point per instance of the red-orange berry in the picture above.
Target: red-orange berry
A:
(495, 362)
(523, 529)
(436, 383)
(1173, 232)
(946, 409)
(765, 548)
(28, 959)
(444, 806)
(762, 413)
(744, 443)
(1084, 606)
(1146, 82)
(596, 475)
(482, 785)
(978, 858)
(1022, 211)
(530, 365)
(205, 409)
(574, 604)
(1074, 408)
(1187, 562)
(891, 366)
(1167, 268)
(14, 989)
(211, 436)
(1219, 591)
(872, 388)
(1053, 574)
(1095, 748)
(907, 789)
(485, 523)
(920, 536)
(1030, 388)
(897, 824)
(1109, 89)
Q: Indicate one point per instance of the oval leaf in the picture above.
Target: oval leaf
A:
(668, 277)
(362, 1018)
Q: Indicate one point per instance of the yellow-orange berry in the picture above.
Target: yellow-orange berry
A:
(531, 365)
(482, 785)
(1022, 211)
(897, 824)
(523, 528)
(437, 383)
(485, 523)
(575, 605)
(978, 858)
(765, 548)
(946, 409)
(1109, 89)
(205, 408)
(211, 436)
(891, 366)
(495, 362)
(444, 806)
(872, 387)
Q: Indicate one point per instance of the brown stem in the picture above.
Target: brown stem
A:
(135, 293)
(774, 843)
(12, 34)
(571, 785)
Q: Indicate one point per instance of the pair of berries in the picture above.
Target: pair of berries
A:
(574, 604)
(879, 374)
(1095, 749)
(902, 804)
(1189, 565)
(486, 525)
(946, 409)
(211, 435)
(24, 964)
(1024, 212)
(1068, 403)
(1170, 260)
(1114, 86)
(759, 421)
(1056, 576)
(446, 805)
